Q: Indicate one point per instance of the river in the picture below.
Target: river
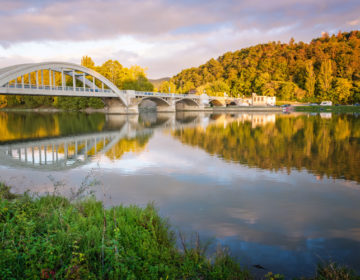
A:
(280, 190)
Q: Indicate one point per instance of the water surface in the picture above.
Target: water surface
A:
(280, 190)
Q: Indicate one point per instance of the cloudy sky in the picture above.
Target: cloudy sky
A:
(165, 36)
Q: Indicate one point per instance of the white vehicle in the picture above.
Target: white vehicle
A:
(326, 103)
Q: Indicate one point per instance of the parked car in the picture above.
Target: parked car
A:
(313, 104)
(326, 103)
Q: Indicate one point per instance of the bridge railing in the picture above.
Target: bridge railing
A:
(66, 88)
(163, 94)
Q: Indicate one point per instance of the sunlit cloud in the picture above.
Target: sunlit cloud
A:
(164, 36)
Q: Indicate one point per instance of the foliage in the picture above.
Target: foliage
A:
(326, 147)
(294, 71)
(50, 238)
(334, 272)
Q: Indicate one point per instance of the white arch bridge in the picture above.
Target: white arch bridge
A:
(53, 79)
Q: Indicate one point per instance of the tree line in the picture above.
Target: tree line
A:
(327, 68)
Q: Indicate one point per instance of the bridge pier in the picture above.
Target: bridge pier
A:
(114, 105)
(185, 107)
(166, 109)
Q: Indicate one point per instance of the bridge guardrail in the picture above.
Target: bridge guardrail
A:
(66, 88)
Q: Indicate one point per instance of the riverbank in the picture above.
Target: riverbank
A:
(51, 237)
(92, 110)
(332, 109)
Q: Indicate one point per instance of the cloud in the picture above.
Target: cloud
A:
(163, 35)
(354, 22)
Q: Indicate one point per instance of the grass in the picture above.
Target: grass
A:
(334, 109)
(51, 238)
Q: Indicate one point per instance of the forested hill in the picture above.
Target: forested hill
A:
(327, 68)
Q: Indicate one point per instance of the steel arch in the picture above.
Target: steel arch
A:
(10, 73)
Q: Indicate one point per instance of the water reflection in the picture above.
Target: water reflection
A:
(325, 146)
(257, 182)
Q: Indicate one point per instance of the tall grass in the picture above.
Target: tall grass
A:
(48, 237)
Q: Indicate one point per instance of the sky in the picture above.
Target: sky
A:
(163, 36)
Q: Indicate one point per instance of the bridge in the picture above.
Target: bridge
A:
(63, 79)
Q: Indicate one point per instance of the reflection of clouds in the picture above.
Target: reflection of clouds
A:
(242, 214)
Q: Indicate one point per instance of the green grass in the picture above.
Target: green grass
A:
(48, 237)
(335, 109)
(51, 238)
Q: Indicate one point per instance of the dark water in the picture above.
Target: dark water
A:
(281, 191)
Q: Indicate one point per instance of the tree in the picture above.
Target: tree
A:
(167, 86)
(310, 79)
(342, 90)
(325, 78)
(87, 62)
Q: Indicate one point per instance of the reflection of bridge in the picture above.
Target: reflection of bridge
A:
(67, 152)
(63, 79)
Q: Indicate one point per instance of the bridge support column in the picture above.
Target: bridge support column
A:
(37, 79)
(62, 79)
(50, 82)
(133, 109)
(164, 109)
(115, 106)
(186, 107)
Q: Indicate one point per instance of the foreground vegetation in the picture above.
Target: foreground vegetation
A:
(51, 238)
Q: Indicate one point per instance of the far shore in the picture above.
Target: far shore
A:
(209, 109)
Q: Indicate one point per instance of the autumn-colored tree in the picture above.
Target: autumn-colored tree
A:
(87, 62)
(325, 78)
(310, 79)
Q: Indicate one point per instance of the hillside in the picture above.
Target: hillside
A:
(326, 68)
(157, 82)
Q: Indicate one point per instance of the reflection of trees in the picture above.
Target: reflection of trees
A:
(328, 147)
(18, 126)
(126, 145)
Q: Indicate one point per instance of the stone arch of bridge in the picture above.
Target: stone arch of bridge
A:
(216, 102)
(187, 101)
(11, 73)
(160, 102)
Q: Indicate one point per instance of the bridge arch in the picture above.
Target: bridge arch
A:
(216, 102)
(188, 101)
(12, 73)
(160, 102)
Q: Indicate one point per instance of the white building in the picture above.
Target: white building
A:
(257, 100)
